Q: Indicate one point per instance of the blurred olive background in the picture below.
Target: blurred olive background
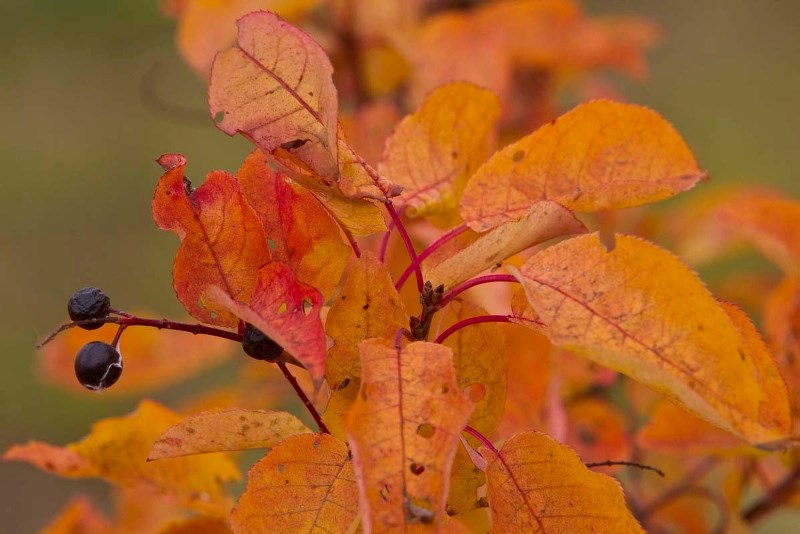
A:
(77, 157)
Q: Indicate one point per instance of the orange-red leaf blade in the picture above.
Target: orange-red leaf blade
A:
(601, 155)
(403, 430)
(304, 484)
(535, 484)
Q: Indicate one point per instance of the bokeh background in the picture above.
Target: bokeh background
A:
(77, 157)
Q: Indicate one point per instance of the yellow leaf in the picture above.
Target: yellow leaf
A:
(368, 306)
(304, 484)
(79, 516)
(481, 363)
(403, 431)
(116, 450)
(637, 309)
(535, 484)
(544, 221)
(226, 430)
(197, 525)
(433, 152)
(601, 155)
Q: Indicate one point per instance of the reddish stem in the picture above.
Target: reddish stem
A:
(458, 230)
(470, 321)
(407, 241)
(460, 288)
(385, 243)
(353, 244)
(773, 498)
(303, 397)
(480, 437)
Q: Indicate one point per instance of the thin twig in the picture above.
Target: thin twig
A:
(470, 321)
(407, 241)
(480, 437)
(457, 290)
(774, 498)
(303, 397)
(455, 232)
(385, 243)
(609, 463)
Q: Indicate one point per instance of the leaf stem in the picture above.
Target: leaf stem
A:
(609, 463)
(480, 437)
(407, 241)
(470, 321)
(460, 288)
(353, 243)
(455, 232)
(385, 243)
(303, 397)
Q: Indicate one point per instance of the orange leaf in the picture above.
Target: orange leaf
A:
(535, 484)
(769, 221)
(544, 221)
(305, 484)
(481, 363)
(368, 306)
(226, 430)
(782, 327)
(153, 359)
(287, 311)
(639, 310)
(433, 152)
(597, 431)
(207, 26)
(117, 449)
(222, 242)
(403, 431)
(197, 525)
(275, 86)
(303, 233)
(79, 516)
(601, 155)
(672, 429)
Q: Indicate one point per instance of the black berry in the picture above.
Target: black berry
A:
(88, 303)
(257, 345)
(98, 365)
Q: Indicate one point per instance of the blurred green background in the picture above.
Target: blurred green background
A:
(77, 157)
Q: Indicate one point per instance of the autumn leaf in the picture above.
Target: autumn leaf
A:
(597, 430)
(287, 311)
(79, 516)
(768, 220)
(304, 484)
(544, 221)
(403, 431)
(639, 310)
(781, 321)
(197, 525)
(368, 306)
(153, 359)
(207, 26)
(226, 430)
(275, 87)
(222, 241)
(116, 450)
(481, 363)
(433, 152)
(535, 484)
(601, 155)
(300, 230)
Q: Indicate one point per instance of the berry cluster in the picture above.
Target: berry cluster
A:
(98, 365)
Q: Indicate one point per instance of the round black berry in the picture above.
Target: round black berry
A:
(257, 345)
(98, 365)
(88, 303)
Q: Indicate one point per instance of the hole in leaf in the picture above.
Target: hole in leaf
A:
(282, 308)
(272, 244)
(417, 469)
(307, 306)
(219, 116)
(426, 430)
(518, 156)
(476, 392)
(586, 436)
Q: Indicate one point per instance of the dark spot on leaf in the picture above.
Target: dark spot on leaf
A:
(281, 467)
(295, 144)
(476, 392)
(445, 388)
(242, 418)
(426, 430)
(417, 469)
(518, 156)
(454, 154)
(50, 466)
(257, 424)
(741, 354)
(343, 384)
(365, 306)
(586, 436)
(190, 430)
(245, 429)
(385, 493)
(483, 502)
(311, 93)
